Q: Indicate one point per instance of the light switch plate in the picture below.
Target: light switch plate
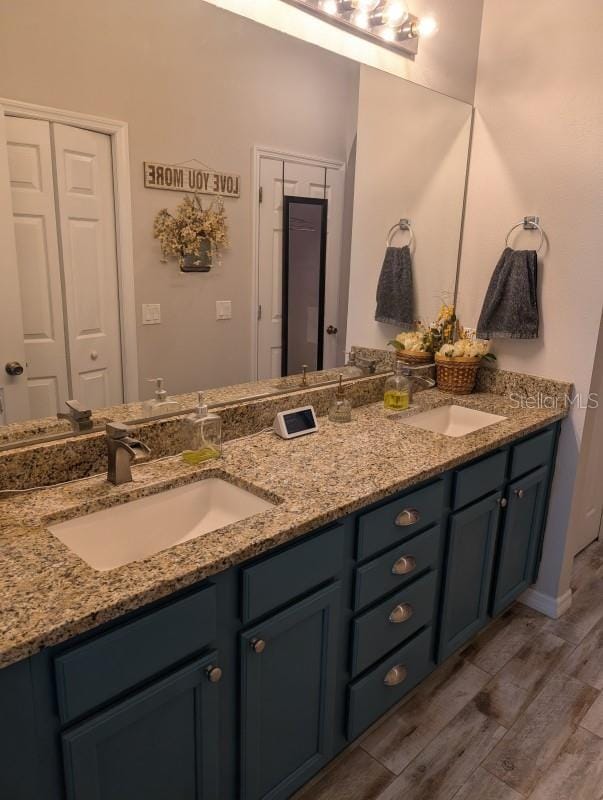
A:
(151, 313)
(223, 309)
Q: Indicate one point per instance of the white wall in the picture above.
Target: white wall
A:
(447, 62)
(411, 160)
(191, 81)
(537, 150)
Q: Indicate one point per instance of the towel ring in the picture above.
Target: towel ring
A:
(528, 224)
(403, 225)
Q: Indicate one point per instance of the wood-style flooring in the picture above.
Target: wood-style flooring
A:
(516, 715)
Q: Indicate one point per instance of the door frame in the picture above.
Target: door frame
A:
(280, 154)
(118, 132)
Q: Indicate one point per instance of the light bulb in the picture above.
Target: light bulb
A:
(426, 27)
(361, 19)
(395, 13)
(388, 34)
(365, 6)
(329, 6)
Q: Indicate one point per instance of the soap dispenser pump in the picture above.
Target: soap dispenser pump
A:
(161, 403)
(203, 434)
(340, 409)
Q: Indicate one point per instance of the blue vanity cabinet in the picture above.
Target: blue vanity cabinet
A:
(159, 743)
(288, 684)
(520, 537)
(468, 573)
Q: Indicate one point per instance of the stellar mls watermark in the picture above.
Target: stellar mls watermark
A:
(541, 400)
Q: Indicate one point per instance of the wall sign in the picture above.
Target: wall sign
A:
(189, 179)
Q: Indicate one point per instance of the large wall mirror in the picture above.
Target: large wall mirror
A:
(329, 155)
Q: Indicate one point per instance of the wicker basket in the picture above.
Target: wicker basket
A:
(414, 358)
(456, 375)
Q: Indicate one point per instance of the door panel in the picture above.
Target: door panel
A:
(471, 543)
(160, 743)
(288, 696)
(38, 264)
(87, 221)
(518, 547)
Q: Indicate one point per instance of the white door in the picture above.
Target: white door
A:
(38, 264)
(297, 178)
(14, 402)
(87, 229)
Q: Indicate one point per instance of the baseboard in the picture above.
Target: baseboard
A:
(553, 607)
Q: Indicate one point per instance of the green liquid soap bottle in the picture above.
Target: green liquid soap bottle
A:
(397, 390)
(203, 434)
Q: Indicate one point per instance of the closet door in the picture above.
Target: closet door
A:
(86, 211)
(38, 264)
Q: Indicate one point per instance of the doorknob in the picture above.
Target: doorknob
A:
(331, 330)
(14, 368)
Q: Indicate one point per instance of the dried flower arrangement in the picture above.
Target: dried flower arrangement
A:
(192, 230)
(429, 338)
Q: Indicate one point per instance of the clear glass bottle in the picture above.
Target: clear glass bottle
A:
(340, 409)
(397, 390)
(203, 434)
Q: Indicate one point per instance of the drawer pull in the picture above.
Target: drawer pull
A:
(519, 493)
(407, 516)
(502, 502)
(401, 613)
(395, 675)
(404, 565)
(214, 674)
(257, 645)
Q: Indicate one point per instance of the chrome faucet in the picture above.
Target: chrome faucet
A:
(79, 417)
(123, 451)
(368, 364)
(428, 383)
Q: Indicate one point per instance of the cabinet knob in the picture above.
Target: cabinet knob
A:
(401, 613)
(519, 493)
(214, 674)
(395, 675)
(407, 516)
(502, 502)
(257, 645)
(404, 565)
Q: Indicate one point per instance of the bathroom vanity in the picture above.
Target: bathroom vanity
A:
(306, 624)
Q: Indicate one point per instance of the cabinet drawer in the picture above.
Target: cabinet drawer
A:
(371, 696)
(379, 630)
(479, 479)
(399, 519)
(397, 567)
(280, 578)
(532, 453)
(112, 663)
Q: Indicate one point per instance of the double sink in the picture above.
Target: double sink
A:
(141, 528)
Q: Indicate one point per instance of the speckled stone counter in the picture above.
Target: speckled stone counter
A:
(47, 594)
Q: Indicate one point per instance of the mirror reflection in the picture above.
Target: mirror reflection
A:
(295, 162)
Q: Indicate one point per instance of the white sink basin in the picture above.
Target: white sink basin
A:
(132, 531)
(453, 420)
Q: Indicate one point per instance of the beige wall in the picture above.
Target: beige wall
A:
(537, 150)
(192, 81)
(446, 63)
(411, 161)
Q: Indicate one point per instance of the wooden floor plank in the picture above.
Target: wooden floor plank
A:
(402, 736)
(584, 614)
(503, 701)
(536, 739)
(593, 719)
(449, 760)
(586, 662)
(587, 564)
(499, 644)
(577, 774)
(484, 786)
(356, 776)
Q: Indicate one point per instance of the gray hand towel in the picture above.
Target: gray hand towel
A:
(510, 309)
(394, 290)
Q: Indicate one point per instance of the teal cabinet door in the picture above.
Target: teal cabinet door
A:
(520, 537)
(160, 743)
(289, 665)
(468, 571)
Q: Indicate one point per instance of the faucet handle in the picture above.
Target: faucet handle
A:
(77, 410)
(117, 430)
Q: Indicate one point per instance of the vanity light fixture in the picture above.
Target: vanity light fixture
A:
(387, 22)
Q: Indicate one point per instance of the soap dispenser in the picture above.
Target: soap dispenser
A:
(203, 434)
(161, 403)
(340, 409)
(397, 390)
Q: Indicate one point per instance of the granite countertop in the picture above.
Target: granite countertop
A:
(48, 594)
